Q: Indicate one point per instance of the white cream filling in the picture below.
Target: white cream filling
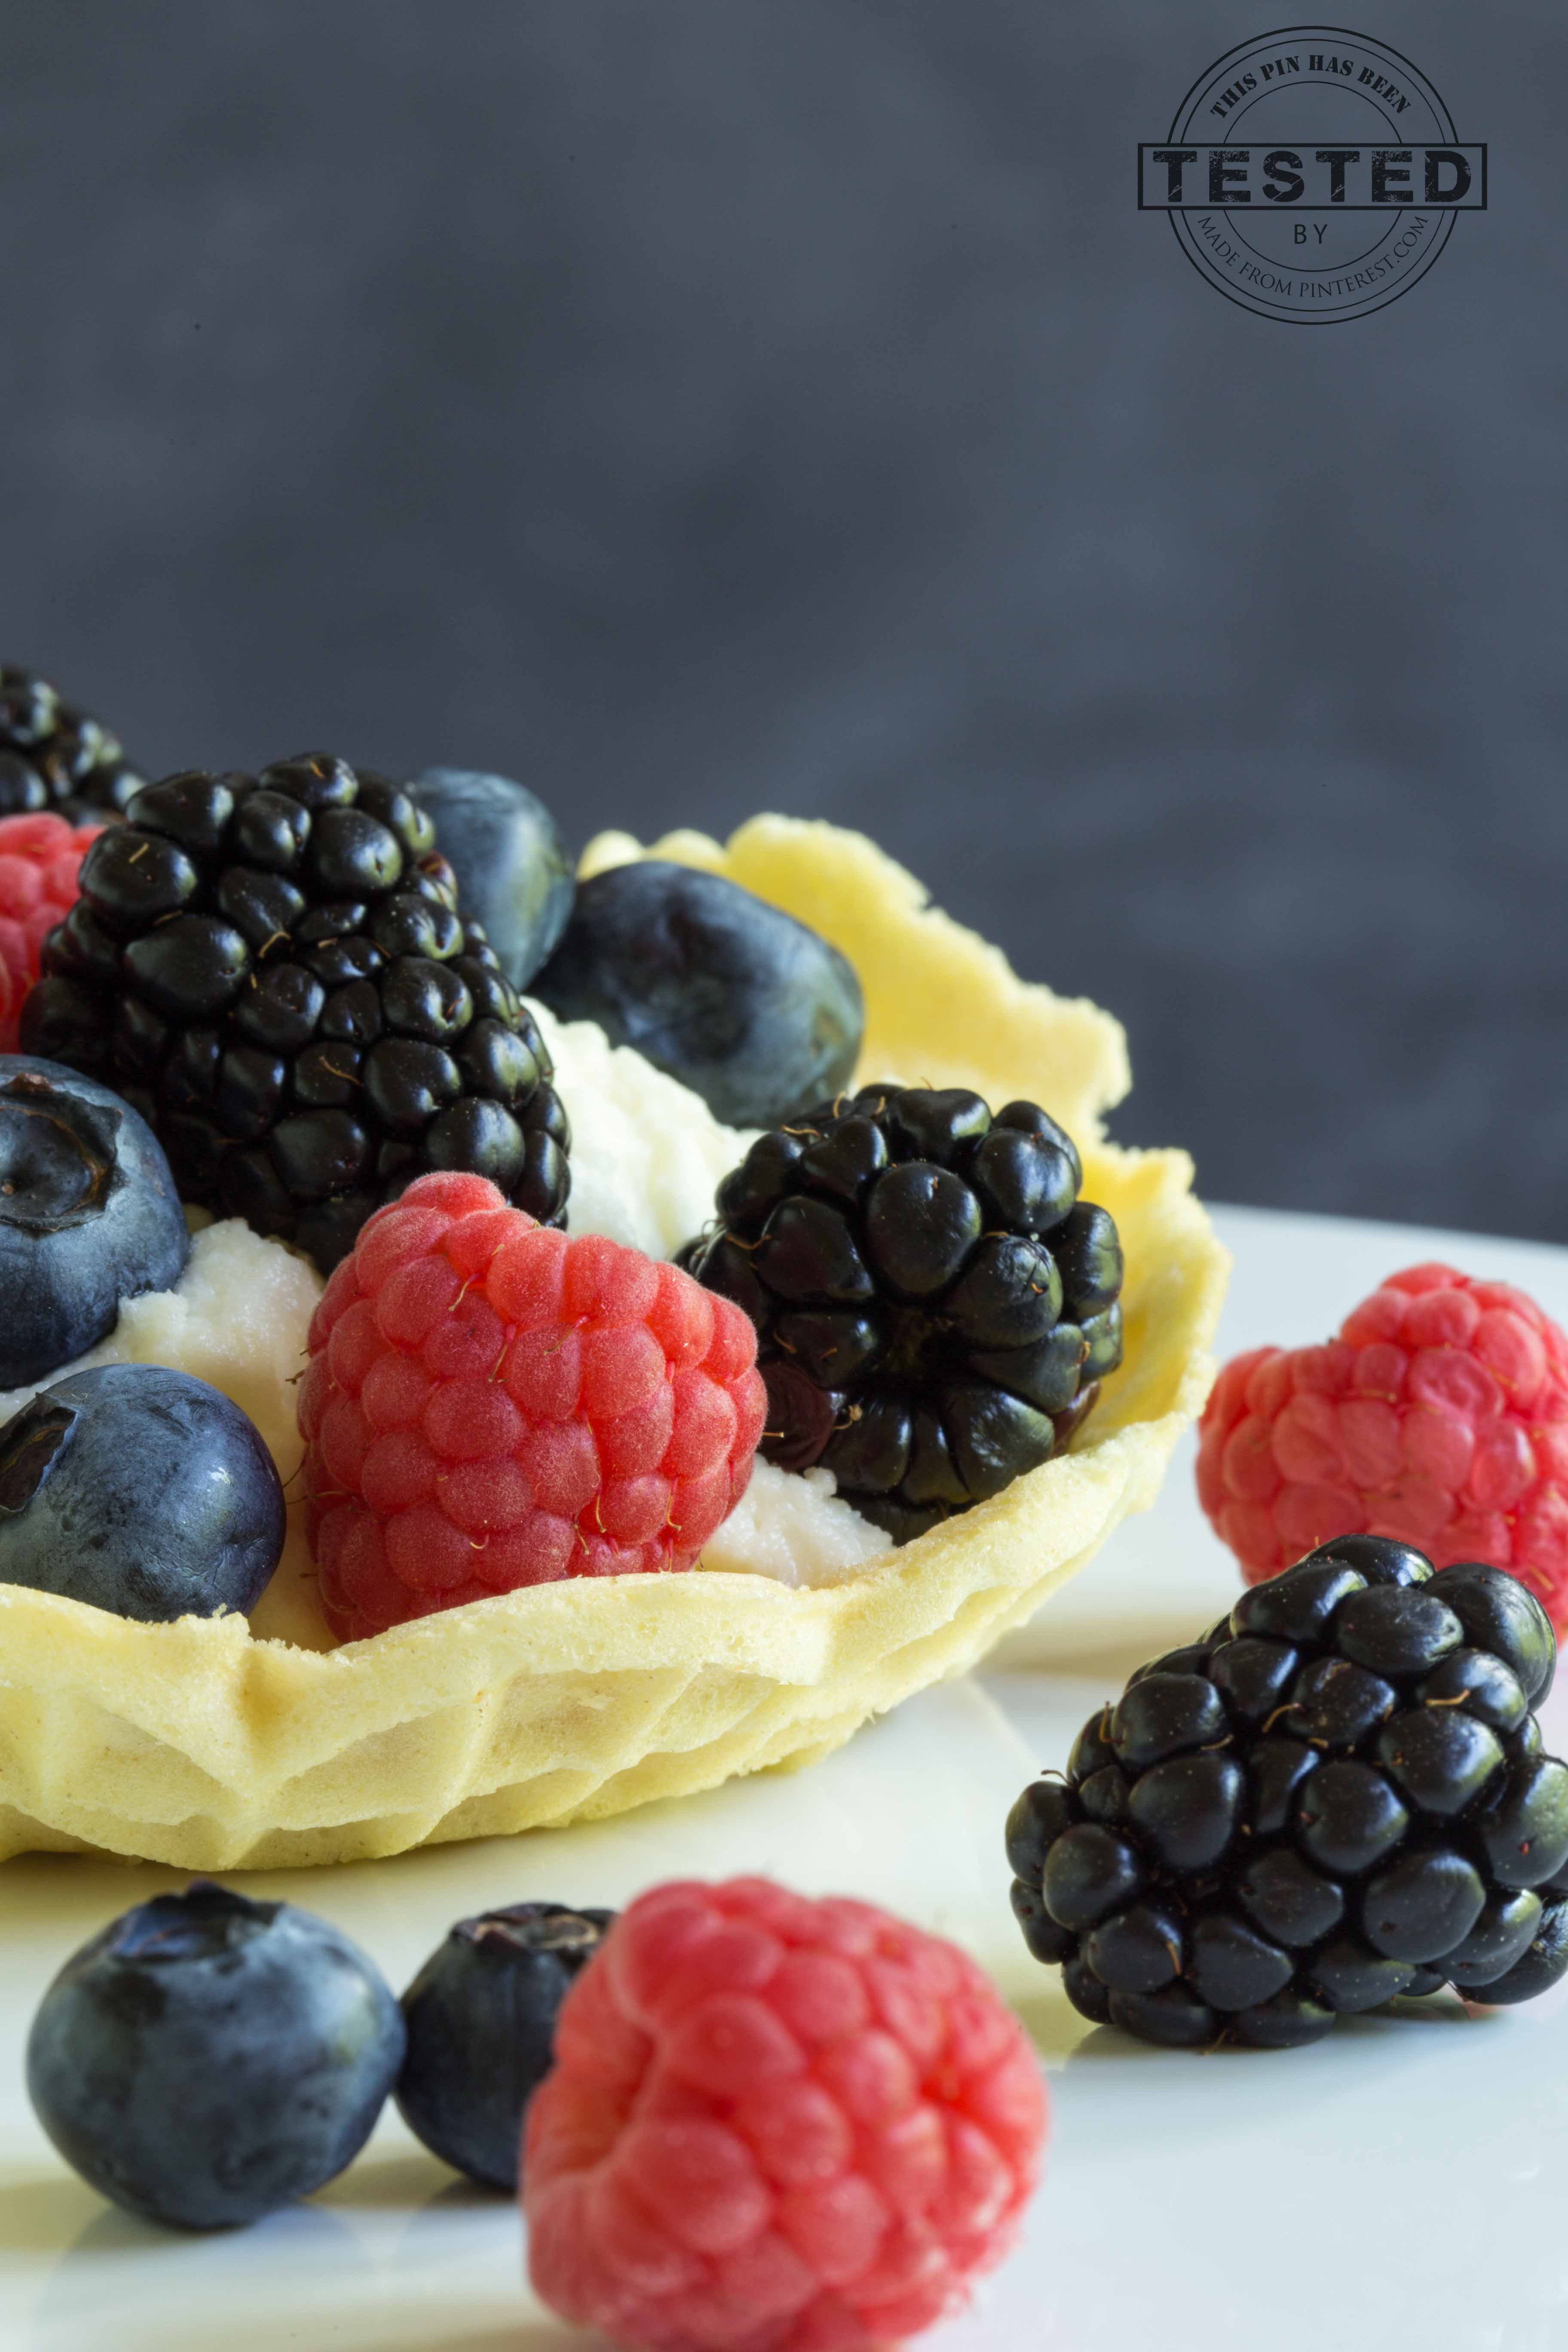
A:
(794, 1526)
(647, 1154)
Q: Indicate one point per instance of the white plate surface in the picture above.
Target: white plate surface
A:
(1390, 2189)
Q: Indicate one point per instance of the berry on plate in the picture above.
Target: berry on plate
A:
(274, 971)
(40, 858)
(935, 1307)
(138, 1490)
(776, 2125)
(514, 872)
(1439, 1416)
(482, 2031)
(88, 1216)
(53, 756)
(207, 2059)
(1336, 1796)
(747, 1007)
(489, 1404)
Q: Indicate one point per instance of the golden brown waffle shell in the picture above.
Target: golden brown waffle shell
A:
(198, 1745)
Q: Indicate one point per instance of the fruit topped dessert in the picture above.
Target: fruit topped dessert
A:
(527, 1318)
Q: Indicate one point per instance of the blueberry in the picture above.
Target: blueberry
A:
(514, 872)
(733, 997)
(480, 2016)
(138, 1490)
(89, 1215)
(207, 2059)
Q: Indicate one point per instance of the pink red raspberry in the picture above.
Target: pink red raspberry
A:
(40, 858)
(1439, 1416)
(775, 2125)
(488, 1405)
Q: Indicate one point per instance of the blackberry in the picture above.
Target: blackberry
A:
(274, 972)
(1338, 1796)
(53, 756)
(935, 1307)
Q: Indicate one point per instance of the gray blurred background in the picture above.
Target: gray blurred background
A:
(694, 406)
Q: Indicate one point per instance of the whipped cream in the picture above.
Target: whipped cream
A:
(647, 1154)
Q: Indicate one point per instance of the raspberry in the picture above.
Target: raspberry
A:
(41, 859)
(775, 2125)
(488, 1405)
(1439, 1416)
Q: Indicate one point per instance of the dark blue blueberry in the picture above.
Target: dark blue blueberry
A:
(207, 2059)
(138, 1490)
(89, 1215)
(732, 996)
(482, 2026)
(514, 872)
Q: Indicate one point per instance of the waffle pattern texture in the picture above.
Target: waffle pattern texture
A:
(198, 1745)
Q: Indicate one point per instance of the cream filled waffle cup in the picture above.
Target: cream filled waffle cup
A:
(229, 1742)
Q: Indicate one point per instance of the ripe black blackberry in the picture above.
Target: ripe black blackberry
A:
(273, 971)
(1336, 1796)
(53, 756)
(935, 1307)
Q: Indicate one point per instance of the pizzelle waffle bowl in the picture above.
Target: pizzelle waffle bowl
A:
(201, 1745)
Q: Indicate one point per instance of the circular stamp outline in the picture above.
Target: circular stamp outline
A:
(1362, 307)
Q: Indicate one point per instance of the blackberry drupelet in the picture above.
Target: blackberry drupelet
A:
(53, 756)
(1336, 1796)
(273, 970)
(935, 1307)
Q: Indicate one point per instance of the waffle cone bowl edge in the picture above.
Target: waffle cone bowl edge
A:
(201, 1745)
